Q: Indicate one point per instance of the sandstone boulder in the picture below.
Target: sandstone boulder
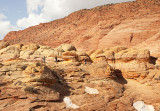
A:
(30, 47)
(3, 45)
(90, 52)
(100, 68)
(117, 49)
(132, 63)
(31, 81)
(82, 57)
(93, 54)
(49, 52)
(66, 47)
(158, 62)
(19, 46)
(70, 56)
(132, 54)
(39, 73)
(10, 49)
(108, 54)
(25, 54)
(24, 72)
(9, 52)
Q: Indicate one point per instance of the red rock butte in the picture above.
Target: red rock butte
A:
(129, 24)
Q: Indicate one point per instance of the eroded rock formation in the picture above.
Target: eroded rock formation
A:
(121, 75)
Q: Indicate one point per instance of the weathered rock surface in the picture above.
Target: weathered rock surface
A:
(129, 63)
(3, 45)
(32, 79)
(21, 80)
(66, 47)
(121, 76)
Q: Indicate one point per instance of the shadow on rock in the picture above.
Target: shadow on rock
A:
(152, 60)
(61, 85)
(120, 79)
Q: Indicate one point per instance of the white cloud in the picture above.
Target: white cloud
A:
(40, 11)
(33, 5)
(2, 17)
(33, 19)
(5, 26)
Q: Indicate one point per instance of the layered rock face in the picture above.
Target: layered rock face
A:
(119, 75)
(130, 24)
(129, 63)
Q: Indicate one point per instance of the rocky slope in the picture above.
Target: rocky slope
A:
(130, 24)
(120, 76)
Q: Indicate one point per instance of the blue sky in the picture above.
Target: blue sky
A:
(13, 9)
(20, 14)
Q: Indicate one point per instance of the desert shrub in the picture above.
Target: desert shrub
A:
(35, 70)
(32, 75)
(38, 64)
(23, 67)
(31, 90)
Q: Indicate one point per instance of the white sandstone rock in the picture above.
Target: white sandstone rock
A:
(140, 106)
(91, 90)
(69, 103)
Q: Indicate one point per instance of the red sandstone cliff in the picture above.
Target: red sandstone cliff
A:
(131, 24)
